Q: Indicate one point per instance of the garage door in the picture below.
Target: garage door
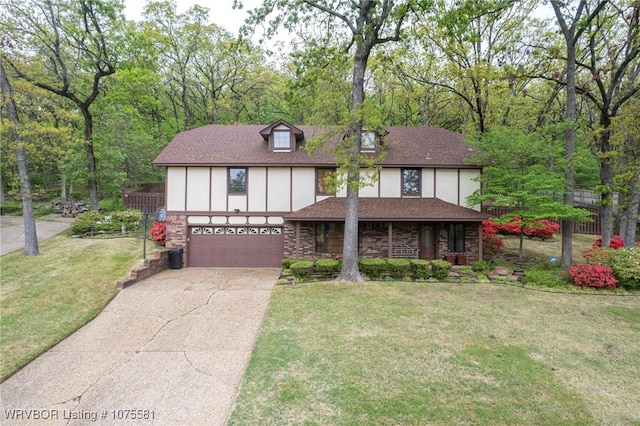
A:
(235, 246)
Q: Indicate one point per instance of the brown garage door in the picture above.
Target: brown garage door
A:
(235, 246)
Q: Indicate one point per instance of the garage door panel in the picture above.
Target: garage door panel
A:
(235, 250)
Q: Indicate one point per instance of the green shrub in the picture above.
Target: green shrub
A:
(421, 269)
(399, 268)
(480, 266)
(440, 269)
(88, 221)
(11, 208)
(327, 267)
(288, 261)
(598, 255)
(625, 263)
(302, 269)
(98, 222)
(543, 277)
(372, 268)
(131, 219)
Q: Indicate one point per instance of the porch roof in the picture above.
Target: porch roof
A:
(389, 209)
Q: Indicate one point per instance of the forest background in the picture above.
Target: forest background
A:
(98, 95)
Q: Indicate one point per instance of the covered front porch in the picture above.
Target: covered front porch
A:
(425, 228)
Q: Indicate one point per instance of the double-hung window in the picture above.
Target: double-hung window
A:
(237, 180)
(411, 182)
(282, 140)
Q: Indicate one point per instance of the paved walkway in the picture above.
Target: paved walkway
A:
(170, 350)
(12, 230)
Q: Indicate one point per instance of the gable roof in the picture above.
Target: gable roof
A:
(383, 209)
(299, 134)
(226, 145)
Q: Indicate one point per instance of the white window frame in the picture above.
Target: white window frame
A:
(282, 140)
(368, 141)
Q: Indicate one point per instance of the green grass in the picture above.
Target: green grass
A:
(545, 249)
(440, 354)
(45, 298)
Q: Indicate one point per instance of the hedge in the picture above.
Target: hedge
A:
(288, 261)
(95, 221)
(399, 268)
(372, 268)
(302, 269)
(440, 269)
(327, 267)
(421, 269)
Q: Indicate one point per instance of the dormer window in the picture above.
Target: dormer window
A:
(282, 140)
(282, 136)
(368, 141)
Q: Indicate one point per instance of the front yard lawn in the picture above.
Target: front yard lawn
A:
(441, 354)
(45, 298)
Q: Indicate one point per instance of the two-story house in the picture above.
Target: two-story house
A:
(250, 195)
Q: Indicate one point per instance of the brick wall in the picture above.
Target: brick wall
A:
(471, 241)
(374, 239)
(306, 240)
(158, 263)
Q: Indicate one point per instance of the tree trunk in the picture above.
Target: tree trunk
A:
(92, 179)
(350, 271)
(63, 187)
(30, 236)
(630, 217)
(2, 193)
(570, 134)
(606, 183)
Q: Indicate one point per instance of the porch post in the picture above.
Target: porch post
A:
(390, 230)
(480, 241)
(297, 239)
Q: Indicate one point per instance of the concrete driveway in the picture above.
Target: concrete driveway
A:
(170, 350)
(12, 230)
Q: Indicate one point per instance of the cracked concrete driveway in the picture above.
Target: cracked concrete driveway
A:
(170, 350)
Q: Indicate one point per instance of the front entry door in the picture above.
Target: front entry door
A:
(427, 242)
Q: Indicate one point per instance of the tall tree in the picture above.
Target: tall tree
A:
(8, 105)
(572, 27)
(480, 44)
(611, 79)
(366, 24)
(626, 143)
(64, 48)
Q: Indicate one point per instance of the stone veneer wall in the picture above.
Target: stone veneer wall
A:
(177, 233)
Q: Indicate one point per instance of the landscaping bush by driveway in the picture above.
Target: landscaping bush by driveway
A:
(440, 354)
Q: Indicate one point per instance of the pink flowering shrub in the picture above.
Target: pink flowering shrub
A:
(615, 243)
(158, 232)
(589, 275)
(543, 229)
(491, 243)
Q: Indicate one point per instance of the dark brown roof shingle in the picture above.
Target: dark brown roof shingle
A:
(397, 209)
(226, 145)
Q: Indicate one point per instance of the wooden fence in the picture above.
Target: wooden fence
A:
(593, 227)
(151, 201)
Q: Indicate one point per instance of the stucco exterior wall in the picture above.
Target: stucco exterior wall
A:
(200, 190)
